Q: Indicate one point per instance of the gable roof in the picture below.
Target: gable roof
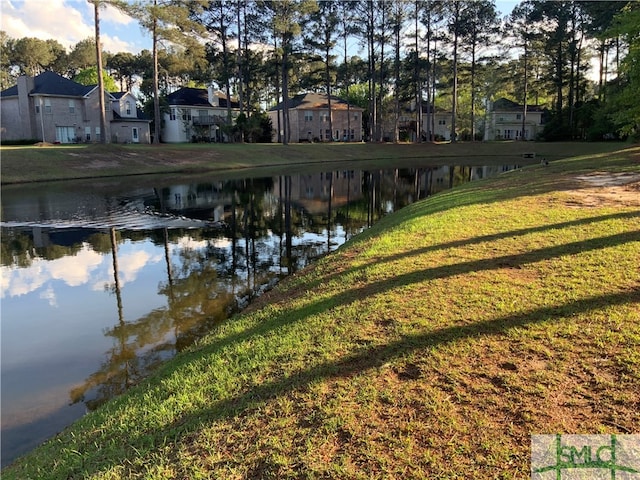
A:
(309, 101)
(197, 97)
(50, 83)
(507, 105)
(140, 117)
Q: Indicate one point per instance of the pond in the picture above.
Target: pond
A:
(104, 280)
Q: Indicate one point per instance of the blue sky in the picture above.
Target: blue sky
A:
(70, 21)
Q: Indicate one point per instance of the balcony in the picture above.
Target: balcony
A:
(209, 120)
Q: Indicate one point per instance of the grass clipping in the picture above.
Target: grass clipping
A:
(431, 346)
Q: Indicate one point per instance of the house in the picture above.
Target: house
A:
(309, 119)
(51, 108)
(440, 124)
(128, 124)
(504, 121)
(197, 114)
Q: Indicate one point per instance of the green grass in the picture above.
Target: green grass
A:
(431, 346)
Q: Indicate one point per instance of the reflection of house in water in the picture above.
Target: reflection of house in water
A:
(67, 237)
(312, 191)
(437, 179)
(198, 201)
(478, 173)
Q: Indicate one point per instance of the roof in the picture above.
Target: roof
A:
(309, 101)
(428, 109)
(50, 83)
(505, 104)
(197, 97)
(140, 117)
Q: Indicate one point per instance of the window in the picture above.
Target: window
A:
(72, 107)
(324, 116)
(47, 105)
(172, 114)
(87, 134)
(518, 116)
(37, 108)
(186, 114)
(442, 122)
(355, 116)
(353, 134)
(308, 116)
(128, 107)
(328, 134)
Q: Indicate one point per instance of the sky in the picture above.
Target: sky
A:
(70, 21)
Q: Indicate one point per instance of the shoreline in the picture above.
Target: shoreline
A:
(451, 322)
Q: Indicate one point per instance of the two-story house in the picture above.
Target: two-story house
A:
(505, 117)
(198, 114)
(438, 123)
(54, 109)
(128, 124)
(309, 119)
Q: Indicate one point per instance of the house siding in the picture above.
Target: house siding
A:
(67, 118)
(506, 123)
(310, 124)
(183, 122)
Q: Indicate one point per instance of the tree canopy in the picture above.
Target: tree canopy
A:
(578, 60)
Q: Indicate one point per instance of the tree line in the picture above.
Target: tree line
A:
(394, 58)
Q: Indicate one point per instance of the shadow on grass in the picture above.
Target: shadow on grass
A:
(357, 363)
(366, 358)
(487, 238)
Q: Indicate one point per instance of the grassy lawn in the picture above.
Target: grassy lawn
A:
(32, 163)
(431, 346)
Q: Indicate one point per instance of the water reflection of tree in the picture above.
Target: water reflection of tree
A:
(203, 285)
(197, 299)
(18, 248)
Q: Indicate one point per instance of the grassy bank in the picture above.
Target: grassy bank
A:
(431, 346)
(29, 164)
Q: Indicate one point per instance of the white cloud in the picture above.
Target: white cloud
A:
(45, 20)
(49, 295)
(20, 281)
(130, 264)
(68, 22)
(75, 270)
(114, 15)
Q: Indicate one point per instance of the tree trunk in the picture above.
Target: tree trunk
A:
(103, 116)
(454, 100)
(239, 60)
(525, 92)
(285, 91)
(156, 97)
(417, 79)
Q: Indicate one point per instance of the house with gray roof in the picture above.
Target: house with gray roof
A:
(54, 109)
(505, 121)
(198, 114)
(309, 115)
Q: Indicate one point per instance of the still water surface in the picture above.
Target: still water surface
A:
(101, 282)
